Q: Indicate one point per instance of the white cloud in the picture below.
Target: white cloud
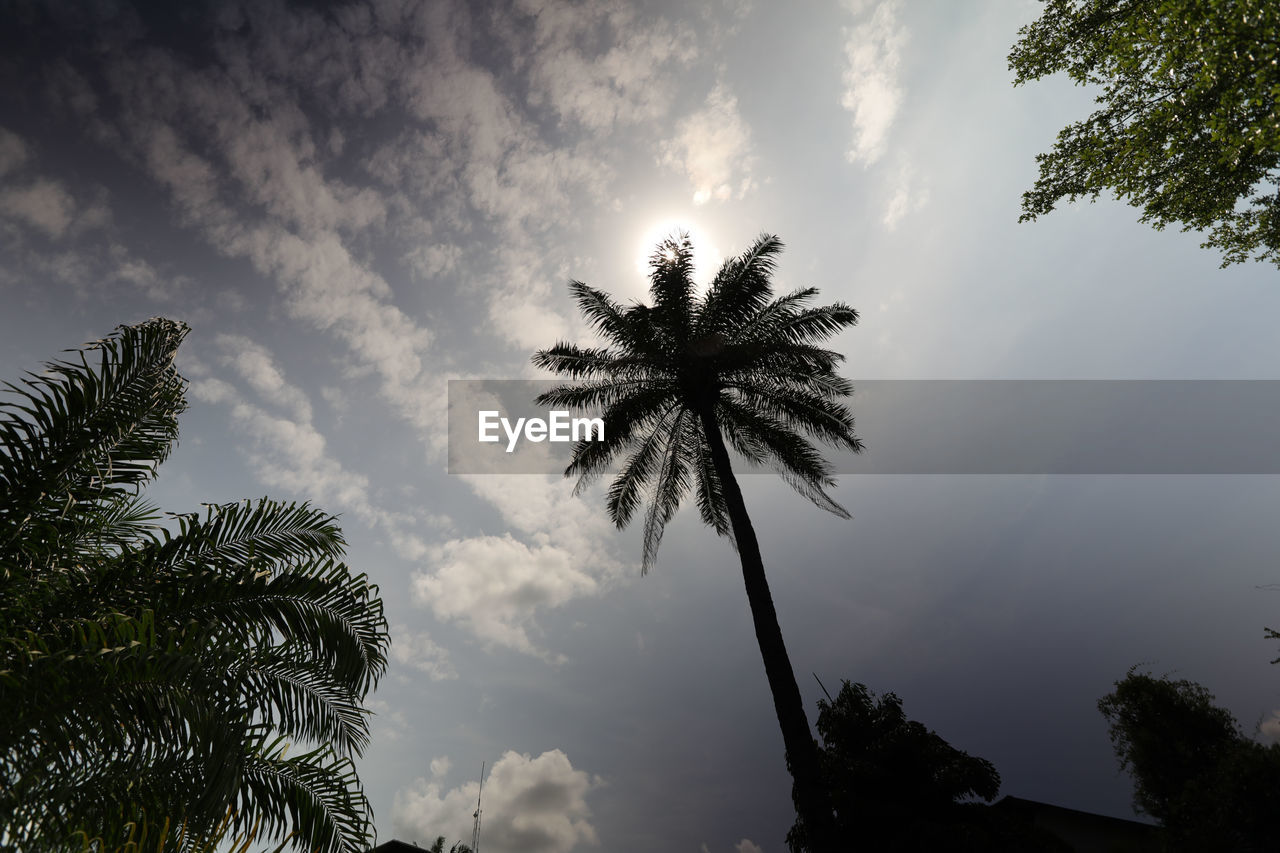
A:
(909, 195)
(389, 723)
(632, 81)
(441, 766)
(872, 90)
(494, 587)
(418, 650)
(530, 805)
(261, 148)
(1271, 726)
(427, 262)
(746, 845)
(713, 147)
(256, 366)
(260, 179)
(290, 453)
(42, 204)
(13, 152)
(137, 272)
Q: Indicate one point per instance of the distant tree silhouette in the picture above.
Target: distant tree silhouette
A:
(458, 847)
(1194, 770)
(897, 785)
(682, 380)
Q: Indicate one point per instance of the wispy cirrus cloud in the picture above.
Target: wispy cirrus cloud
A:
(249, 144)
(910, 192)
(629, 82)
(713, 147)
(287, 451)
(872, 90)
(40, 202)
(418, 650)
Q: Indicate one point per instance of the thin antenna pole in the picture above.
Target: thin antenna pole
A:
(475, 827)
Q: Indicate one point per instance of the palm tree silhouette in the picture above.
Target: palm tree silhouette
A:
(679, 378)
(153, 672)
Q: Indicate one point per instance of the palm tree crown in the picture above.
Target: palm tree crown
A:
(748, 360)
(150, 672)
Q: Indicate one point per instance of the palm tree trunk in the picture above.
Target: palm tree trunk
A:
(809, 791)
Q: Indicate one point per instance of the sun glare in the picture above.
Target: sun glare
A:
(706, 257)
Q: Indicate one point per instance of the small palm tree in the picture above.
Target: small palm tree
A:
(682, 380)
(162, 670)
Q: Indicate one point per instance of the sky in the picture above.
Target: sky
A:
(353, 203)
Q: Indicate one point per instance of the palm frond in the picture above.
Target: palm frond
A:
(315, 795)
(596, 395)
(604, 315)
(670, 486)
(296, 695)
(710, 492)
(81, 434)
(627, 489)
(586, 362)
(671, 284)
(264, 532)
(798, 410)
(322, 606)
(795, 459)
(741, 288)
(626, 418)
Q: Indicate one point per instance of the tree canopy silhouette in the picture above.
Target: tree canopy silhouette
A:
(1193, 769)
(897, 785)
(153, 671)
(682, 380)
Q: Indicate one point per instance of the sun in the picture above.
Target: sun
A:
(706, 257)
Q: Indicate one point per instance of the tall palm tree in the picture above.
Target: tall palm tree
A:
(152, 671)
(682, 380)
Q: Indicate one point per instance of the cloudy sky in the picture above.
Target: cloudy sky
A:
(353, 203)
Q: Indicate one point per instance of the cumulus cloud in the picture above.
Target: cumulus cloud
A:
(418, 650)
(531, 805)
(713, 147)
(872, 90)
(43, 204)
(746, 845)
(494, 586)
